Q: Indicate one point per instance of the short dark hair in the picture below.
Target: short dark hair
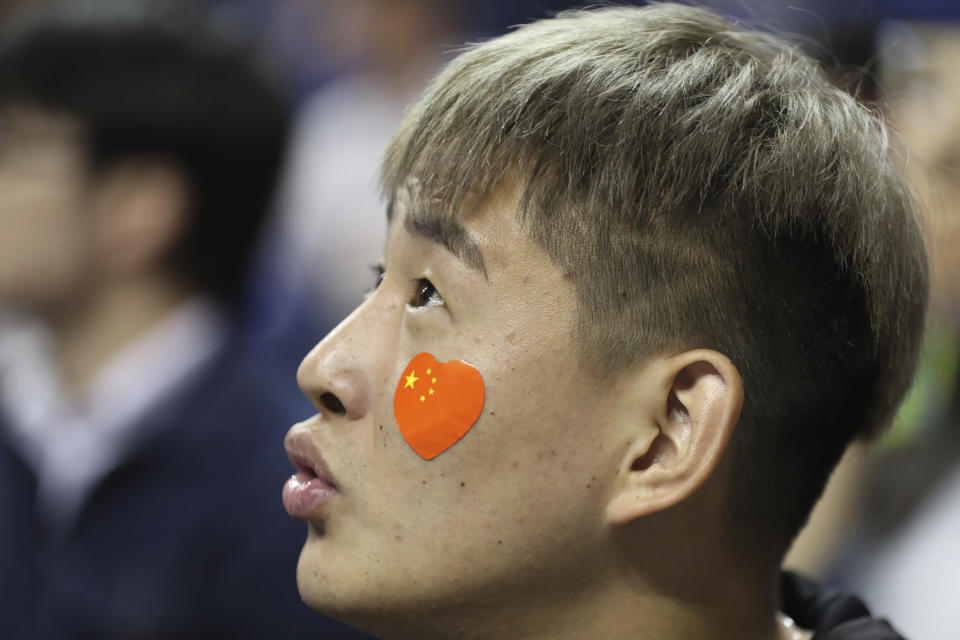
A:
(161, 78)
(704, 186)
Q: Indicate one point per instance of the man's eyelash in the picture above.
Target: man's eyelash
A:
(425, 294)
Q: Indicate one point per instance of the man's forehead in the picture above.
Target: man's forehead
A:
(468, 229)
(411, 198)
(464, 205)
(448, 232)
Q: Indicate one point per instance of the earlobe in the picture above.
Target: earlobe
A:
(693, 408)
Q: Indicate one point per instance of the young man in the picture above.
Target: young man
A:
(138, 152)
(646, 276)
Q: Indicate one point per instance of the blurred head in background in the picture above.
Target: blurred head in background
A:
(922, 74)
(388, 37)
(139, 145)
(138, 153)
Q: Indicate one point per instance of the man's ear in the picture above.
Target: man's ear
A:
(690, 405)
(141, 209)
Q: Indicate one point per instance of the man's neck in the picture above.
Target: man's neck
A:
(632, 616)
(627, 609)
(88, 333)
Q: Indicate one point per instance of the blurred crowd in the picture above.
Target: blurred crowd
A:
(189, 201)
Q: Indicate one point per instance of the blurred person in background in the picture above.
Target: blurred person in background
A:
(905, 557)
(330, 221)
(138, 152)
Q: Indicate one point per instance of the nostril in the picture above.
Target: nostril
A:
(332, 403)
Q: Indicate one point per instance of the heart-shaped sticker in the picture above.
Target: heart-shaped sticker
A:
(436, 403)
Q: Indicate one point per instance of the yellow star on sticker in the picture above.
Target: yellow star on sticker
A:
(410, 379)
(431, 391)
(434, 380)
(422, 398)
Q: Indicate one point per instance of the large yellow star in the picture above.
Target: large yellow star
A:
(410, 379)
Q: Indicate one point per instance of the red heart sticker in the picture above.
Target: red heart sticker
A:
(437, 403)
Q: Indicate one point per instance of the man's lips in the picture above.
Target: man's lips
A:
(312, 486)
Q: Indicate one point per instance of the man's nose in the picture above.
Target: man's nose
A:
(337, 375)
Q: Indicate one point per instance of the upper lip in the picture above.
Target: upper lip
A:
(305, 455)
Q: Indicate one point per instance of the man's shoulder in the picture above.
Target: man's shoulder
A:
(830, 614)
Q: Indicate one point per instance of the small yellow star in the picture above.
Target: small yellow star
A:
(429, 371)
(422, 398)
(411, 379)
(434, 380)
(431, 391)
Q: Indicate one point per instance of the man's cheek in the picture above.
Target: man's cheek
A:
(437, 403)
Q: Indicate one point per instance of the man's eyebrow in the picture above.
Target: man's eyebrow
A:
(449, 233)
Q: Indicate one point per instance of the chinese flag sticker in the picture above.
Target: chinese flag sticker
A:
(437, 403)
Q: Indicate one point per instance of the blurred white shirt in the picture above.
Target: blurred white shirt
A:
(72, 443)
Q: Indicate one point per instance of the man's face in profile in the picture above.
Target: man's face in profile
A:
(514, 503)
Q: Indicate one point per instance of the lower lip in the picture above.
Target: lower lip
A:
(305, 494)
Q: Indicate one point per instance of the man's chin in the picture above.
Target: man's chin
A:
(324, 598)
(314, 579)
(324, 584)
(340, 592)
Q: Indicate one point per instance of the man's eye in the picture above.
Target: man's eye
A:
(425, 295)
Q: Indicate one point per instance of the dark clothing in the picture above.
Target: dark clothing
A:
(187, 538)
(831, 615)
